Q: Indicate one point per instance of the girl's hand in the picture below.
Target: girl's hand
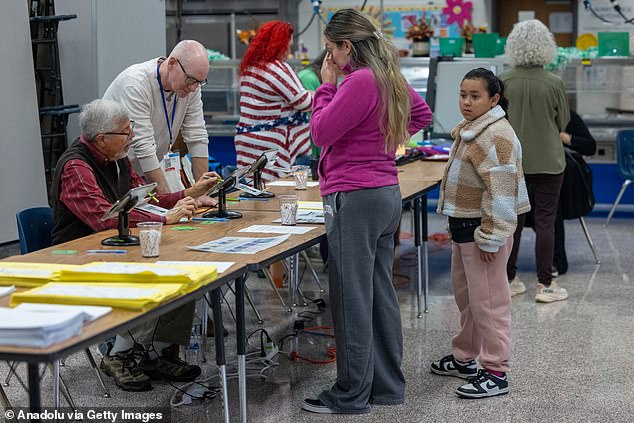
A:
(329, 70)
(487, 257)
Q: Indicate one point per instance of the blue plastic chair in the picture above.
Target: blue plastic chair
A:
(625, 164)
(35, 225)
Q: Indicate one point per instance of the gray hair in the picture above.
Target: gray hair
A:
(100, 116)
(530, 43)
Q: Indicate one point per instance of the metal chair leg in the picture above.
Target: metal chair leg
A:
(12, 366)
(626, 183)
(312, 271)
(586, 232)
(4, 400)
(267, 273)
(93, 364)
(66, 393)
(247, 293)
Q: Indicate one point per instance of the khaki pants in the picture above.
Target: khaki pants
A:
(484, 299)
(174, 327)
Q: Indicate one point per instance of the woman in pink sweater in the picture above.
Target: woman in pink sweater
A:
(359, 125)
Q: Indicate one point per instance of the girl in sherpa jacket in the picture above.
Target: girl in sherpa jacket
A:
(482, 193)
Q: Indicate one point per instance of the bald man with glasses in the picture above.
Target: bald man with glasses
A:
(163, 97)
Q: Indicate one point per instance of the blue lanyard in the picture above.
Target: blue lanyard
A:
(169, 125)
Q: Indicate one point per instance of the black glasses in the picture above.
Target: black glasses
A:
(190, 80)
(127, 134)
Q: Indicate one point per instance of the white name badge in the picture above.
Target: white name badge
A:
(172, 161)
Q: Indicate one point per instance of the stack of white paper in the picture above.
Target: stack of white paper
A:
(88, 313)
(39, 330)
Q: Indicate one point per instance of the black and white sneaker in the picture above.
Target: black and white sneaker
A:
(316, 406)
(449, 366)
(485, 385)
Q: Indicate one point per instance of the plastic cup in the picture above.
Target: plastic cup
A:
(288, 209)
(150, 237)
(300, 175)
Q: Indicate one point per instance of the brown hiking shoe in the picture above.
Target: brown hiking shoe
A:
(124, 369)
(170, 368)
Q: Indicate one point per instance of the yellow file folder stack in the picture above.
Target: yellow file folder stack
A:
(28, 275)
(129, 296)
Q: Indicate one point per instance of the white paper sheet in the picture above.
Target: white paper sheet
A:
(78, 290)
(310, 205)
(273, 229)
(290, 184)
(239, 245)
(221, 266)
(307, 216)
(42, 273)
(129, 269)
(6, 290)
(89, 313)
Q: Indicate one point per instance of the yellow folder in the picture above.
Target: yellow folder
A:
(28, 275)
(190, 277)
(129, 296)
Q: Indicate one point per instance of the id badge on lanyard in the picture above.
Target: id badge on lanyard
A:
(172, 161)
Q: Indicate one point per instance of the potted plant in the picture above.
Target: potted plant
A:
(467, 32)
(419, 35)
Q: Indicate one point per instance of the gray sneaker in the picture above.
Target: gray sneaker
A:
(123, 367)
(449, 366)
(517, 287)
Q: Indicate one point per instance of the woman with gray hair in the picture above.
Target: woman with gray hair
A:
(359, 124)
(538, 111)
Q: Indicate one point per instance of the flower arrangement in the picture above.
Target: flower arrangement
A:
(245, 36)
(468, 30)
(420, 31)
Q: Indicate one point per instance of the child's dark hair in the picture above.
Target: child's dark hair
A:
(493, 84)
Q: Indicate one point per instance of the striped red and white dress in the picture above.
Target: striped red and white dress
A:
(266, 95)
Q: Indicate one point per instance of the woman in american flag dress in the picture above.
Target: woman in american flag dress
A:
(273, 102)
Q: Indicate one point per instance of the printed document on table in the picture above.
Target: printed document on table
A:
(222, 266)
(239, 245)
(273, 229)
(307, 216)
(290, 184)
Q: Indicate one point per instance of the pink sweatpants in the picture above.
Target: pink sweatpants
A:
(484, 299)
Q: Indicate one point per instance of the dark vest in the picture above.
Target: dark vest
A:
(67, 225)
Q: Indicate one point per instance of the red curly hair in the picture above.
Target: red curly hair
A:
(270, 44)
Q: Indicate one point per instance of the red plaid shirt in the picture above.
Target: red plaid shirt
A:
(81, 193)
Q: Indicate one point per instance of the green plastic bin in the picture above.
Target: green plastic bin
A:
(485, 45)
(614, 44)
(499, 49)
(451, 46)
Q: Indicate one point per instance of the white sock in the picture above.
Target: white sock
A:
(121, 344)
(157, 350)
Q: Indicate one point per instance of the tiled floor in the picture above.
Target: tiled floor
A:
(570, 359)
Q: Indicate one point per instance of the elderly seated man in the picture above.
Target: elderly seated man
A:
(90, 176)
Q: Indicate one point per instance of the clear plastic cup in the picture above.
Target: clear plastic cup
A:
(300, 175)
(150, 237)
(288, 209)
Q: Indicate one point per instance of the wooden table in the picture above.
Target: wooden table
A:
(173, 247)
(416, 179)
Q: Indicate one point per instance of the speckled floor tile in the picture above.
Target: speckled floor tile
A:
(570, 359)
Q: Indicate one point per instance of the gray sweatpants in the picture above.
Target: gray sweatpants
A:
(360, 226)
